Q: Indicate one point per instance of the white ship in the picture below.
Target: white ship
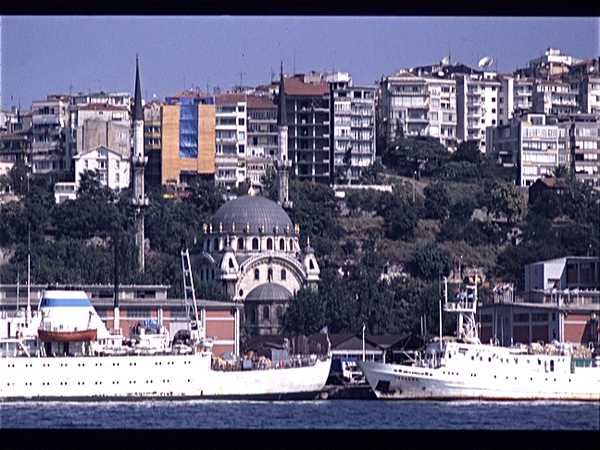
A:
(66, 352)
(467, 369)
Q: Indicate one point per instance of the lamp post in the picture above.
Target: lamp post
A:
(414, 174)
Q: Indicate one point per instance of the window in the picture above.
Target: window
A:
(231, 266)
(279, 312)
(255, 244)
(283, 274)
(240, 244)
(310, 264)
(266, 313)
(256, 274)
(281, 244)
(270, 275)
(241, 121)
(215, 244)
(269, 244)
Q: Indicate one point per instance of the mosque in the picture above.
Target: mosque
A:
(252, 248)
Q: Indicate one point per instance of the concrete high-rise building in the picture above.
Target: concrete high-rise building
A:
(308, 119)
(584, 79)
(579, 146)
(553, 97)
(353, 127)
(476, 107)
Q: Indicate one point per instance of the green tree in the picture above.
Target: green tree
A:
(437, 201)
(429, 261)
(467, 151)
(505, 200)
(422, 154)
(305, 314)
(269, 182)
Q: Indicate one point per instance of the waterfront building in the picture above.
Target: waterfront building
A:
(422, 103)
(561, 303)
(139, 303)
(528, 143)
(230, 139)
(353, 127)
(476, 107)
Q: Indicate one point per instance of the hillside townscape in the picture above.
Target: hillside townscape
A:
(377, 194)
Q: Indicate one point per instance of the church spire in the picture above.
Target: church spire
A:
(281, 110)
(138, 113)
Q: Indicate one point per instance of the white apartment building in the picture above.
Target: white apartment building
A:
(527, 142)
(476, 107)
(353, 133)
(113, 167)
(554, 97)
(262, 136)
(514, 97)
(230, 139)
(423, 105)
(102, 124)
(50, 122)
(584, 79)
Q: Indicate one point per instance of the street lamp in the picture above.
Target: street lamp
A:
(414, 174)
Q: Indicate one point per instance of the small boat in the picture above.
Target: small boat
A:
(67, 336)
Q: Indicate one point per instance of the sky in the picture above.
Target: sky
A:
(51, 55)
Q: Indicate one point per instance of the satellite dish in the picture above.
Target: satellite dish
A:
(441, 73)
(446, 61)
(485, 62)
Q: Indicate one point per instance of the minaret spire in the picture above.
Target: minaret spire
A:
(282, 163)
(139, 201)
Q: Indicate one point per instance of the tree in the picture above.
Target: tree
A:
(437, 201)
(467, 151)
(269, 182)
(505, 200)
(429, 261)
(305, 314)
(421, 154)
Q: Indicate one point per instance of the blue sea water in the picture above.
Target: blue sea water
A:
(306, 415)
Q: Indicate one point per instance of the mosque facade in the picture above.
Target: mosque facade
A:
(251, 247)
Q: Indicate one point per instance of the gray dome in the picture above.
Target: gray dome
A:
(269, 291)
(253, 210)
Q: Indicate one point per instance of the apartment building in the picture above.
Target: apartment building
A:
(526, 142)
(101, 124)
(231, 133)
(579, 146)
(584, 79)
(553, 97)
(421, 104)
(50, 121)
(476, 107)
(187, 137)
(514, 97)
(308, 119)
(113, 168)
(353, 128)
(262, 136)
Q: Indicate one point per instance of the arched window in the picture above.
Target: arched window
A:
(283, 274)
(310, 264)
(270, 274)
(256, 274)
(279, 312)
(269, 244)
(281, 244)
(231, 266)
(240, 244)
(216, 245)
(291, 245)
(266, 313)
(255, 244)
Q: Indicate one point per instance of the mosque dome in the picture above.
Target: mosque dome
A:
(269, 291)
(252, 210)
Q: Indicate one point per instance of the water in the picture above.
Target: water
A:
(294, 415)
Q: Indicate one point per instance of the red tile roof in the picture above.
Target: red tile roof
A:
(229, 98)
(260, 102)
(296, 87)
(101, 107)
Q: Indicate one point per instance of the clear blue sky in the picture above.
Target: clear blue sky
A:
(47, 55)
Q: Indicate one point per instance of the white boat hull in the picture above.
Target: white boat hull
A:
(486, 373)
(171, 376)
